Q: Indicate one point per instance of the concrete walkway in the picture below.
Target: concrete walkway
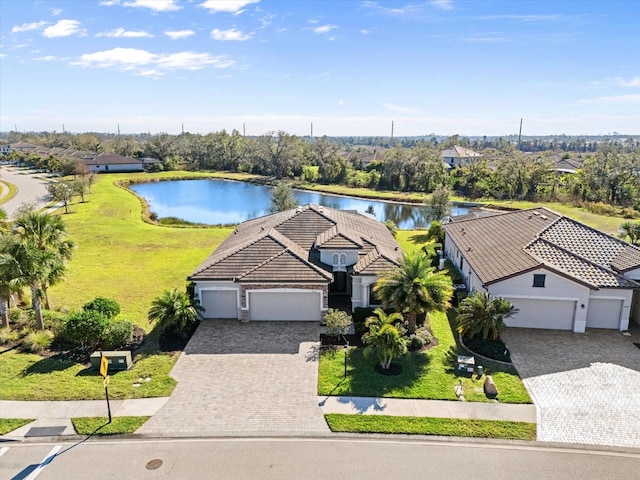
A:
(59, 414)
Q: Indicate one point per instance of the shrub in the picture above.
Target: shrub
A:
(53, 321)
(338, 322)
(106, 306)
(360, 315)
(415, 343)
(16, 316)
(117, 334)
(37, 341)
(84, 330)
(8, 335)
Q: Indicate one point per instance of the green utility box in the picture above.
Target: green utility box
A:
(120, 360)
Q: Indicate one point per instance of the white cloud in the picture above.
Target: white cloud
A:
(322, 29)
(26, 27)
(632, 82)
(443, 4)
(64, 28)
(122, 33)
(395, 108)
(47, 58)
(364, 31)
(230, 35)
(406, 10)
(631, 98)
(340, 103)
(155, 5)
(56, 11)
(228, 6)
(151, 64)
(108, 3)
(178, 34)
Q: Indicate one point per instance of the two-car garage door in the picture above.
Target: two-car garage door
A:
(290, 305)
(537, 313)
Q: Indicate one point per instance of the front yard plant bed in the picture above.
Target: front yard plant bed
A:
(494, 349)
(456, 427)
(429, 374)
(101, 425)
(31, 377)
(10, 424)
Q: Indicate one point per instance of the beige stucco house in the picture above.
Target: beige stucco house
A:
(285, 266)
(559, 273)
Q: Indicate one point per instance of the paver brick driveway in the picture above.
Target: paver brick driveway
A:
(234, 377)
(586, 387)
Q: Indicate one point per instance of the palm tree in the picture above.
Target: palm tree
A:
(46, 233)
(631, 230)
(481, 315)
(174, 309)
(384, 340)
(21, 264)
(415, 287)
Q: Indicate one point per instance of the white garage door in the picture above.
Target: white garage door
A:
(550, 314)
(299, 305)
(604, 313)
(219, 303)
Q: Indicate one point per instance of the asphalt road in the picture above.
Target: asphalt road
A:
(31, 188)
(310, 458)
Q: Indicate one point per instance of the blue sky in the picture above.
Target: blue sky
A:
(350, 67)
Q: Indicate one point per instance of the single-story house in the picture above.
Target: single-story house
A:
(112, 162)
(286, 265)
(559, 273)
(457, 155)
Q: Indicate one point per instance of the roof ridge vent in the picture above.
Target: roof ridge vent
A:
(298, 208)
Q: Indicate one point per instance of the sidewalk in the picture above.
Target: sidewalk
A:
(58, 415)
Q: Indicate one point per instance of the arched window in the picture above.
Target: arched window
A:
(343, 259)
(335, 258)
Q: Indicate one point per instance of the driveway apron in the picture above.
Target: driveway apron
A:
(234, 377)
(586, 386)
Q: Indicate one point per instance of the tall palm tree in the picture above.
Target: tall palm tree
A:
(481, 315)
(384, 340)
(414, 287)
(21, 264)
(631, 230)
(174, 309)
(46, 233)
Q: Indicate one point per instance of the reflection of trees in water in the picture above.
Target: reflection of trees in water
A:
(405, 216)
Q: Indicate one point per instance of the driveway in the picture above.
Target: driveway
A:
(586, 386)
(244, 378)
(32, 188)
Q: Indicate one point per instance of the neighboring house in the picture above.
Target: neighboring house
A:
(559, 273)
(285, 266)
(112, 162)
(457, 155)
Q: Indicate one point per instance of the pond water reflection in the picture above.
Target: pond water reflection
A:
(213, 201)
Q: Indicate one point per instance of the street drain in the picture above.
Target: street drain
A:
(154, 464)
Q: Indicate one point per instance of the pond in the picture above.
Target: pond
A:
(213, 202)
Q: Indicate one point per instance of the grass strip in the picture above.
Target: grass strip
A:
(13, 191)
(456, 427)
(10, 424)
(100, 425)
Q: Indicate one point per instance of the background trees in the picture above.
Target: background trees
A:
(282, 198)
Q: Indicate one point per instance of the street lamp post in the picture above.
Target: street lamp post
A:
(346, 351)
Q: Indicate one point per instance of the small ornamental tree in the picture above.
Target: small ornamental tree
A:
(338, 322)
(62, 191)
(282, 198)
(106, 306)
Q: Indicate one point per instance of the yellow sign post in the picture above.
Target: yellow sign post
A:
(104, 370)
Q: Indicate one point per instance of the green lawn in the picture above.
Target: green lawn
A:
(431, 426)
(121, 257)
(101, 425)
(429, 374)
(25, 376)
(10, 424)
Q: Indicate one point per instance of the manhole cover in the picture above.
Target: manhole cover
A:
(154, 464)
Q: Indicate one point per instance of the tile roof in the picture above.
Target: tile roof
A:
(459, 152)
(282, 246)
(506, 244)
(111, 159)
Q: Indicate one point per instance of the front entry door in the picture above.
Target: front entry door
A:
(339, 284)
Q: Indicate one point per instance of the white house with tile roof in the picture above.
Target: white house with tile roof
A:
(457, 155)
(559, 273)
(284, 266)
